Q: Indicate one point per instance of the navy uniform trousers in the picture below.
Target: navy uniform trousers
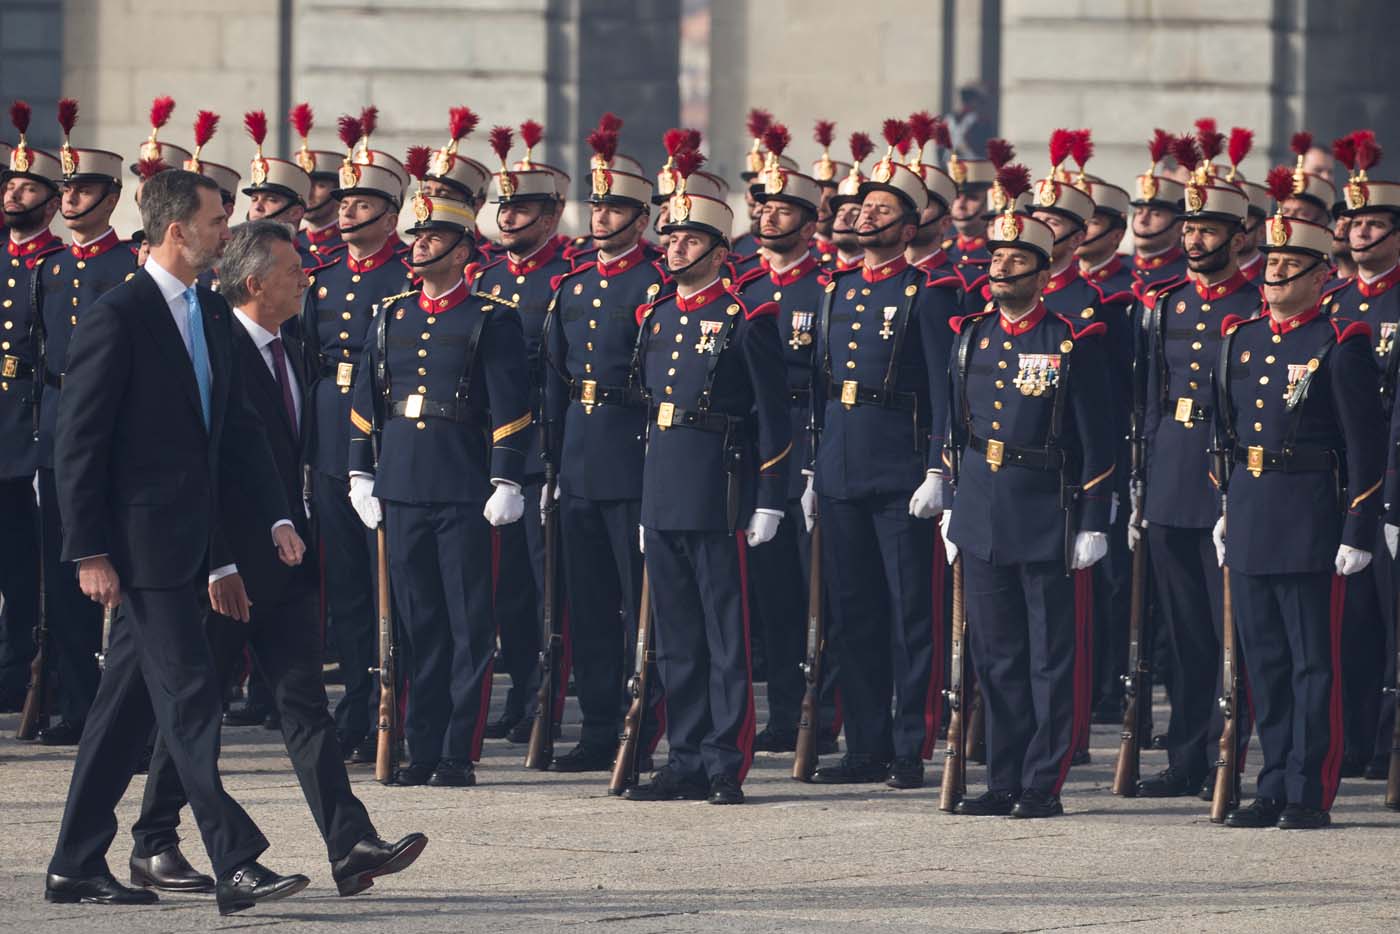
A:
(518, 599)
(74, 621)
(286, 643)
(887, 648)
(1368, 657)
(1290, 628)
(158, 667)
(19, 582)
(1028, 649)
(439, 563)
(702, 650)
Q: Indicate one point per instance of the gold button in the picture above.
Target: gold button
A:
(422, 371)
(1192, 384)
(515, 296)
(9, 325)
(679, 338)
(422, 353)
(852, 345)
(996, 426)
(1269, 359)
(1258, 426)
(1200, 325)
(1263, 381)
(76, 283)
(1277, 339)
(1001, 364)
(432, 319)
(1000, 384)
(593, 324)
(425, 335)
(685, 319)
(675, 355)
(1258, 403)
(73, 320)
(850, 364)
(349, 296)
(345, 390)
(777, 296)
(996, 404)
(860, 308)
(589, 345)
(602, 284)
(82, 264)
(855, 325)
(1196, 345)
(345, 315)
(588, 368)
(421, 425)
(865, 291)
(519, 280)
(345, 335)
(1195, 365)
(75, 302)
(1205, 306)
(1006, 345)
(668, 390)
(7, 303)
(597, 303)
(11, 283)
(423, 389)
(1364, 306)
(355, 277)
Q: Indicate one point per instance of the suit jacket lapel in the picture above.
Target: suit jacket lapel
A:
(216, 326)
(166, 336)
(262, 378)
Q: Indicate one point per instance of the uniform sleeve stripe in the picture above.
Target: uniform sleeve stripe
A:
(505, 431)
(1357, 502)
(359, 421)
(778, 459)
(1099, 479)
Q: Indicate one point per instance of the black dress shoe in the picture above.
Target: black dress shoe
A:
(724, 789)
(1298, 817)
(273, 721)
(1377, 770)
(1207, 792)
(373, 857)
(451, 773)
(583, 758)
(168, 871)
(366, 753)
(771, 740)
(1034, 803)
(1168, 783)
(1080, 757)
(61, 733)
(990, 804)
(245, 715)
(520, 733)
(252, 883)
(852, 771)
(1261, 812)
(93, 890)
(667, 785)
(1159, 741)
(500, 728)
(906, 772)
(410, 775)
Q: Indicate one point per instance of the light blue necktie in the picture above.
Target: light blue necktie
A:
(199, 350)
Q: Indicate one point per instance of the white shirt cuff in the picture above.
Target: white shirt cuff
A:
(221, 572)
(278, 524)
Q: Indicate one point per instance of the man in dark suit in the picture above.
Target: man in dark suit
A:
(152, 417)
(261, 602)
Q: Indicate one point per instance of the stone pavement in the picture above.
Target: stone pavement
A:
(525, 851)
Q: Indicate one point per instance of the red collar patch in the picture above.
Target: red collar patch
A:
(1106, 271)
(1061, 279)
(797, 272)
(382, 256)
(1384, 284)
(1220, 289)
(883, 272)
(1295, 322)
(1158, 261)
(534, 261)
(454, 297)
(97, 247)
(1025, 323)
(608, 268)
(701, 299)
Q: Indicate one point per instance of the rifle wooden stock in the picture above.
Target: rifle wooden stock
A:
(35, 712)
(804, 762)
(1392, 782)
(540, 753)
(388, 703)
(624, 771)
(955, 756)
(1137, 682)
(1227, 796)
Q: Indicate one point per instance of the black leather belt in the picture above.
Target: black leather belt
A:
(849, 393)
(12, 367)
(1187, 411)
(667, 415)
(799, 396)
(592, 392)
(1291, 460)
(418, 407)
(999, 453)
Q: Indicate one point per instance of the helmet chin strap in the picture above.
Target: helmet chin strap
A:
(1297, 275)
(280, 211)
(361, 226)
(677, 273)
(1210, 253)
(1097, 237)
(1018, 277)
(621, 228)
(898, 221)
(419, 264)
(106, 190)
(1376, 242)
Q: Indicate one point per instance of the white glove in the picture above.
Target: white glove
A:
(506, 505)
(363, 499)
(1089, 547)
(1392, 539)
(927, 500)
(949, 548)
(1217, 535)
(809, 503)
(763, 525)
(544, 500)
(1135, 521)
(641, 539)
(1350, 560)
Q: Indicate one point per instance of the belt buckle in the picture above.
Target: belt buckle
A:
(665, 414)
(412, 406)
(344, 374)
(1255, 461)
(1185, 408)
(996, 453)
(849, 389)
(10, 368)
(589, 394)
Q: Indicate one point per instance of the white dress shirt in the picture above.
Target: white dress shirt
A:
(173, 291)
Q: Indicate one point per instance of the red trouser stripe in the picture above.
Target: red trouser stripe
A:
(1083, 626)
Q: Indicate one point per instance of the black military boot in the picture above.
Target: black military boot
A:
(1261, 812)
(852, 770)
(1168, 783)
(990, 804)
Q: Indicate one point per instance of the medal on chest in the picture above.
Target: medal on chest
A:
(801, 330)
(709, 330)
(1387, 339)
(888, 312)
(1297, 377)
(1037, 373)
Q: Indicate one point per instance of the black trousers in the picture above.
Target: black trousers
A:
(886, 626)
(1113, 591)
(439, 573)
(351, 557)
(1368, 627)
(702, 650)
(19, 582)
(519, 596)
(158, 667)
(286, 642)
(75, 622)
(1028, 648)
(1290, 626)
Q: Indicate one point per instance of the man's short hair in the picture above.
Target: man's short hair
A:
(249, 253)
(171, 197)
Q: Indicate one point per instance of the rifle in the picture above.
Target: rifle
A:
(1137, 680)
(955, 756)
(624, 771)
(1227, 787)
(1392, 782)
(541, 751)
(35, 712)
(385, 752)
(804, 763)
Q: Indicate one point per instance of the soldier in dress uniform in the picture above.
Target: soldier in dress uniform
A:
(976, 285)
(595, 408)
(881, 389)
(1313, 195)
(744, 251)
(791, 278)
(279, 189)
(1181, 499)
(1031, 506)
(336, 329)
(1157, 253)
(1298, 407)
(845, 209)
(70, 282)
(1372, 210)
(927, 251)
(528, 218)
(321, 234)
(676, 141)
(206, 124)
(974, 178)
(443, 371)
(1099, 259)
(604, 141)
(717, 461)
(29, 192)
(828, 173)
(459, 177)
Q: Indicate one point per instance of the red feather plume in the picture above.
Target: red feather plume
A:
(161, 109)
(1159, 145)
(147, 168)
(604, 143)
(460, 122)
(824, 132)
(67, 114)
(501, 139)
(1280, 183)
(1000, 152)
(610, 122)
(20, 112)
(895, 131)
(416, 161)
(941, 137)
(255, 122)
(1015, 180)
(1212, 141)
(301, 119)
(1241, 142)
(1060, 142)
(674, 140)
(349, 129)
(1344, 148)
(776, 138)
(861, 146)
(1368, 151)
(921, 127)
(1081, 147)
(531, 132)
(758, 122)
(206, 123)
(1301, 143)
(369, 121)
(688, 161)
(1186, 152)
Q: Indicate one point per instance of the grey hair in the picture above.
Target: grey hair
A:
(249, 253)
(170, 197)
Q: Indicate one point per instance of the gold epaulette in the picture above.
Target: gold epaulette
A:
(496, 299)
(388, 300)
